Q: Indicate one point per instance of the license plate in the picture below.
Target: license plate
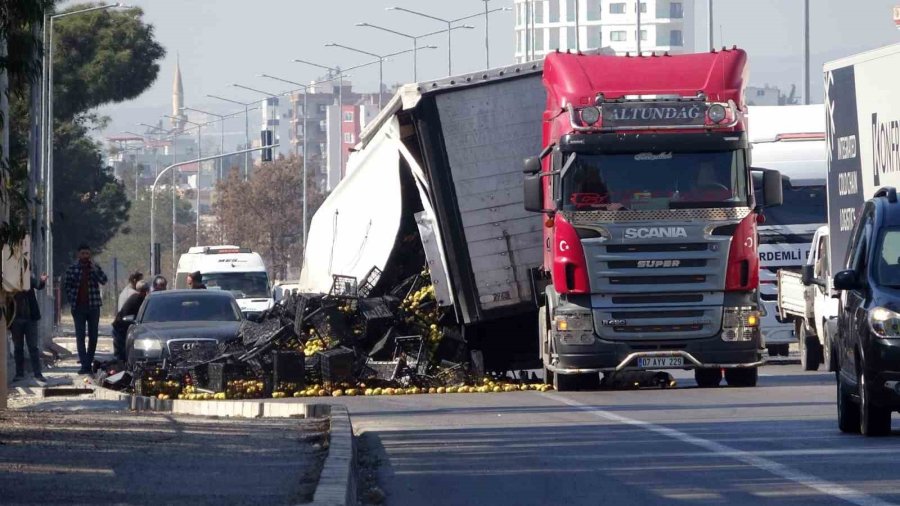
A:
(660, 362)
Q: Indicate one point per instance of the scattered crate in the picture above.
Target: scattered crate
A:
(288, 367)
(337, 366)
(369, 281)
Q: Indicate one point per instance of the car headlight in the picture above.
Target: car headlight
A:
(150, 346)
(884, 323)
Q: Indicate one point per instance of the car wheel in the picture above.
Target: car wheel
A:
(828, 353)
(809, 349)
(848, 414)
(873, 420)
(707, 377)
(743, 377)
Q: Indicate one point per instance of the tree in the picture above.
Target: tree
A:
(264, 212)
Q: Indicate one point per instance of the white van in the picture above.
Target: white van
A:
(233, 268)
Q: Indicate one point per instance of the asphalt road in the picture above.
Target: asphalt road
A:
(777, 443)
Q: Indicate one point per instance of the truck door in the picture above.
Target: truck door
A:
(854, 301)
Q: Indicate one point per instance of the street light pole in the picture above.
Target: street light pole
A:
(449, 30)
(175, 165)
(246, 129)
(379, 59)
(414, 38)
(221, 119)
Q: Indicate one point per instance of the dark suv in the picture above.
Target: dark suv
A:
(867, 347)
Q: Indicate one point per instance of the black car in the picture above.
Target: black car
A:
(867, 347)
(182, 326)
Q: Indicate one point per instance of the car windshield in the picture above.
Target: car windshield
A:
(653, 181)
(244, 285)
(190, 307)
(887, 271)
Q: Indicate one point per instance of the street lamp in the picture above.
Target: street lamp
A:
(487, 47)
(221, 119)
(305, 88)
(414, 38)
(246, 129)
(449, 31)
(47, 127)
(380, 60)
(199, 155)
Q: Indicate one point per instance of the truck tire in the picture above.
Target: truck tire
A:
(707, 377)
(743, 377)
(874, 420)
(848, 414)
(572, 382)
(810, 349)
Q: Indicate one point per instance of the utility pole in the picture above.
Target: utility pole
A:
(4, 159)
(806, 52)
(709, 17)
(638, 27)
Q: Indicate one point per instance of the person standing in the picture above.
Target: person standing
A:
(24, 329)
(160, 284)
(130, 308)
(195, 281)
(129, 289)
(82, 287)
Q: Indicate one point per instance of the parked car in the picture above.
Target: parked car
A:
(182, 325)
(867, 345)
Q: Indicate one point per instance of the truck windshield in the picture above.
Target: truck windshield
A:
(887, 271)
(802, 205)
(244, 285)
(652, 181)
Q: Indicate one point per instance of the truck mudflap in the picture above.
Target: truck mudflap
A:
(690, 362)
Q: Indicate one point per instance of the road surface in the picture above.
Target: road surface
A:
(774, 444)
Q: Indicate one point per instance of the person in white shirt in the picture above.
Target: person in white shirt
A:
(129, 290)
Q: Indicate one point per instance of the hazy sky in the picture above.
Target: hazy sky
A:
(225, 41)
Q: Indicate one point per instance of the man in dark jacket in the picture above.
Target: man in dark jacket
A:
(24, 329)
(195, 281)
(82, 286)
(130, 308)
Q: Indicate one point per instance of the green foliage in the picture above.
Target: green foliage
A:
(102, 57)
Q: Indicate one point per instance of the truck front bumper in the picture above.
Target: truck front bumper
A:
(610, 356)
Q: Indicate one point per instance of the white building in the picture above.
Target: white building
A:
(666, 25)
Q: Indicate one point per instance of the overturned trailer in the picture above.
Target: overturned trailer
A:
(436, 179)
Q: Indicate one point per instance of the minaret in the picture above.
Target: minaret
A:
(178, 99)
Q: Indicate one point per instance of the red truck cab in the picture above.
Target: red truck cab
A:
(650, 243)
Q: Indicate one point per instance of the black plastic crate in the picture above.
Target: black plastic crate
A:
(329, 321)
(385, 370)
(367, 285)
(452, 346)
(377, 315)
(344, 286)
(411, 349)
(337, 366)
(220, 374)
(288, 367)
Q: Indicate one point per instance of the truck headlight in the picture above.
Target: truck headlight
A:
(577, 328)
(149, 346)
(740, 324)
(884, 323)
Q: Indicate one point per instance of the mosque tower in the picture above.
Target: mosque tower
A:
(179, 119)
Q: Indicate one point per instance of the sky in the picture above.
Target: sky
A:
(220, 42)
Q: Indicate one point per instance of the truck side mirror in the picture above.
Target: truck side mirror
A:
(806, 275)
(534, 193)
(846, 280)
(772, 189)
(532, 165)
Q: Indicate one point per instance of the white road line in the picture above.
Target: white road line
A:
(826, 487)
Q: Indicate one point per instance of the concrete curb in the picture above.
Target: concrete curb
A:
(337, 483)
(244, 408)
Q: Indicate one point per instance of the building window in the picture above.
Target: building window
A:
(595, 38)
(617, 8)
(348, 138)
(539, 40)
(593, 10)
(676, 10)
(643, 8)
(348, 116)
(554, 11)
(538, 12)
(554, 39)
(519, 9)
(519, 42)
(571, 38)
(643, 35)
(617, 36)
(675, 38)
(570, 10)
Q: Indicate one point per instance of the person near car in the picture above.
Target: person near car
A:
(129, 289)
(82, 286)
(195, 281)
(160, 284)
(24, 329)
(130, 308)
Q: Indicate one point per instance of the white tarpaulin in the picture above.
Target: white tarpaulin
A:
(357, 225)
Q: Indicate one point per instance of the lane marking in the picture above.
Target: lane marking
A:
(845, 493)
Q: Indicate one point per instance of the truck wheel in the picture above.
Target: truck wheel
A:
(848, 414)
(810, 350)
(873, 420)
(571, 382)
(743, 377)
(708, 378)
